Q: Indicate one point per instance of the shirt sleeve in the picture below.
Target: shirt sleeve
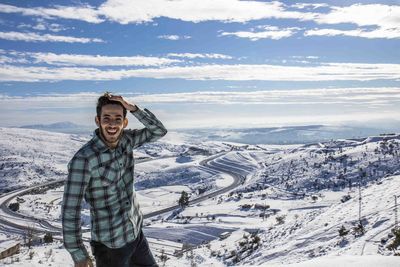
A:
(153, 130)
(74, 190)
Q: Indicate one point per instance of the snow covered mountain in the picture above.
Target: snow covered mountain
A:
(297, 205)
(287, 134)
(272, 135)
(61, 127)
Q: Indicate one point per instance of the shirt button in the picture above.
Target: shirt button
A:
(127, 203)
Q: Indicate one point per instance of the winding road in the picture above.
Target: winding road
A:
(19, 223)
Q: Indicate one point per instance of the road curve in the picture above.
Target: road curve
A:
(43, 226)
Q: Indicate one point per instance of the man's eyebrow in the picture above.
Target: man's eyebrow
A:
(110, 115)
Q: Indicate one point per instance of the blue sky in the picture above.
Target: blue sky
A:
(225, 63)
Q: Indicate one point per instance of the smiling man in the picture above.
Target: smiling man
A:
(102, 173)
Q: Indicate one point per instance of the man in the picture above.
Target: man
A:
(101, 172)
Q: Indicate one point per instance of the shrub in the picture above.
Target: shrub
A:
(48, 238)
(396, 242)
(14, 206)
(280, 219)
(343, 231)
(358, 230)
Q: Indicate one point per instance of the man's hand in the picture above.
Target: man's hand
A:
(128, 106)
(85, 263)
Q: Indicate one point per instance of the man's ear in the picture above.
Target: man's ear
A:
(96, 119)
(125, 122)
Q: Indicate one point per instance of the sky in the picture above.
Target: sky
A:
(202, 64)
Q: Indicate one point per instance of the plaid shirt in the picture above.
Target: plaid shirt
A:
(104, 178)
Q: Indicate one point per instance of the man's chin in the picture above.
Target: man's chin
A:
(111, 139)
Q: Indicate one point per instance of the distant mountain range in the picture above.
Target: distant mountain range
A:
(269, 135)
(286, 135)
(61, 127)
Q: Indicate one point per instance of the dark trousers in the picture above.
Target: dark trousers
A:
(134, 254)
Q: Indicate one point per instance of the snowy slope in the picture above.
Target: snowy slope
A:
(29, 157)
(287, 212)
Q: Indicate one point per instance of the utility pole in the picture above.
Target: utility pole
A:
(359, 199)
(395, 212)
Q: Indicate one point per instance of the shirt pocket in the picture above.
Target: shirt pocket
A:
(108, 175)
(103, 188)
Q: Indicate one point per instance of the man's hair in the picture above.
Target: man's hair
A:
(105, 100)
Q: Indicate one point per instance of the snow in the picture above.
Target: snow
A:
(287, 211)
(346, 261)
(5, 244)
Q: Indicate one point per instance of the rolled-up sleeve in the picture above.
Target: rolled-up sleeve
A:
(153, 130)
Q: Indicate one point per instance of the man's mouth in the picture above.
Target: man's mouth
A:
(111, 131)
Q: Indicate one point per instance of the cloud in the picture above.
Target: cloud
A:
(238, 72)
(354, 96)
(42, 25)
(125, 12)
(358, 96)
(269, 32)
(85, 12)
(34, 37)
(141, 11)
(383, 16)
(85, 60)
(173, 37)
(197, 55)
(309, 5)
(384, 19)
(248, 109)
(370, 34)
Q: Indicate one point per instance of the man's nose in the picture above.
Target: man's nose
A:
(113, 123)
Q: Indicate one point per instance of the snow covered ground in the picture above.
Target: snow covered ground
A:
(287, 211)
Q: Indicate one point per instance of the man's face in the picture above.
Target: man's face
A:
(111, 123)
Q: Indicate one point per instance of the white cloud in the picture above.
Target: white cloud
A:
(309, 5)
(123, 11)
(139, 11)
(384, 19)
(269, 32)
(84, 12)
(42, 25)
(385, 95)
(173, 37)
(248, 109)
(197, 55)
(34, 37)
(239, 72)
(384, 16)
(97, 60)
(358, 96)
(370, 34)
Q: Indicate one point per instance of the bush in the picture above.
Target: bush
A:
(14, 206)
(396, 242)
(280, 219)
(256, 239)
(343, 231)
(48, 238)
(358, 230)
(246, 206)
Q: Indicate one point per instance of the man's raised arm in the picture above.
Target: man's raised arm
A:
(153, 130)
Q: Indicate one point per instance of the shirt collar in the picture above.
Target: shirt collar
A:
(100, 146)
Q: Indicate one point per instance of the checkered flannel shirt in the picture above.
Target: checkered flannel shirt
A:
(104, 178)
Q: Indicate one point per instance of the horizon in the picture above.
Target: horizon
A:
(226, 64)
